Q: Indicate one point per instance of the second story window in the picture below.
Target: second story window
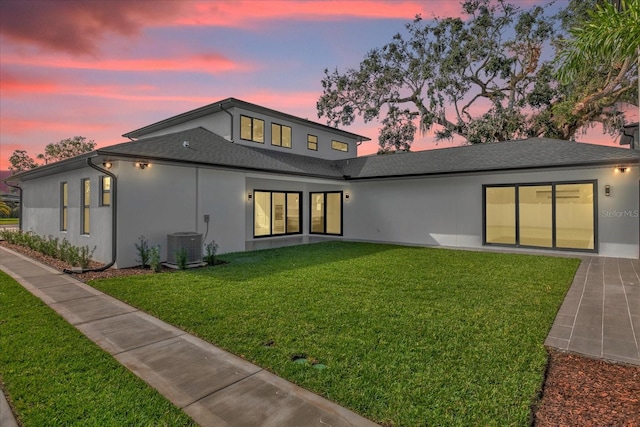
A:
(252, 129)
(312, 142)
(280, 135)
(340, 146)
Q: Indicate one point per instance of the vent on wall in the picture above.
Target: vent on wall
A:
(190, 241)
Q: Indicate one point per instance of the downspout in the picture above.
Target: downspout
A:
(230, 115)
(114, 220)
(19, 204)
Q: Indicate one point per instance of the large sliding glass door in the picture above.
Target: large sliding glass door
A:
(553, 215)
(326, 213)
(276, 213)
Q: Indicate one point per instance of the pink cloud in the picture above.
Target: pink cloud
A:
(241, 13)
(210, 63)
(77, 26)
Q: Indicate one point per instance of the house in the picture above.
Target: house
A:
(250, 177)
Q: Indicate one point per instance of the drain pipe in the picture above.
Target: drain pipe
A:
(19, 204)
(114, 221)
(230, 115)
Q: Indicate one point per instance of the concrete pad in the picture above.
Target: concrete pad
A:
(46, 280)
(92, 308)
(114, 334)
(623, 348)
(185, 369)
(64, 292)
(268, 401)
(554, 342)
(590, 347)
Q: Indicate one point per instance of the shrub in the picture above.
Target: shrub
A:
(154, 259)
(143, 251)
(210, 250)
(181, 258)
(84, 256)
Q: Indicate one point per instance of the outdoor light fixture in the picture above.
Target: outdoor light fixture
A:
(142, 165)
(607, 190)
(346, 196)
(250, 196)
(107, 164)
(621, 169)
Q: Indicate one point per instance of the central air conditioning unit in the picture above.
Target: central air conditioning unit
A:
(190, 241)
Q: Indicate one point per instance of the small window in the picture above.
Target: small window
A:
(312, 142)
(105, 191)
(252, 129)
(340, 146)
(64, 206)
(86, 205)
(280, 135)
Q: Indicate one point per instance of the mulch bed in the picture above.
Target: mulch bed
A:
(578, 391)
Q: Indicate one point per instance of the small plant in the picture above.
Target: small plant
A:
(84, 256)
(154, 259)
(210, 250)
(181, 258)
(143, 251)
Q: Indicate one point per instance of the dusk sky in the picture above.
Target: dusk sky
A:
(102, 68)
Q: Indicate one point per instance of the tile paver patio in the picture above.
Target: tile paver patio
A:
(600, 316)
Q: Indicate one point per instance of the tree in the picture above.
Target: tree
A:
(600, 60)
(66, 149)
(21, 161)
(441, 72)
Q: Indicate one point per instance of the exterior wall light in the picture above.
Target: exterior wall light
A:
(142, 165)
(607, 190)
(250, 196)
(346, 196)
(621, 169)
(107, 164)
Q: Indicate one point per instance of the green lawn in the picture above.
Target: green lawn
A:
(55, 376)
(405, 336)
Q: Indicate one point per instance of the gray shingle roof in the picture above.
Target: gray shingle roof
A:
(208, 148)
(507, 155)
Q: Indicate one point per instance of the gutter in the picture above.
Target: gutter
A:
(114, 221)
(230, 115)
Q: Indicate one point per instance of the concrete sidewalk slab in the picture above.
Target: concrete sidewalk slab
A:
(213, 386)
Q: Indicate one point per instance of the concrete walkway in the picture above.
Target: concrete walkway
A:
(214, 387)
(600, 316)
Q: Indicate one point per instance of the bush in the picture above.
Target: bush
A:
(51, 246)
(210, 250)
(181, 258)
(143, 251)
(154, 259)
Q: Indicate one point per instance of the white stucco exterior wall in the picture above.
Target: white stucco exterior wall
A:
(41, 204)
(447, 211)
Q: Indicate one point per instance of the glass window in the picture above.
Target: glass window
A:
(64, 206)
(276, 213)
(105, 191)
(500, 215)
(261, 213)
(86, 205)
(312, 142)
(551, 215)
(280, 135)
(534, 215)
(574, 216)
(340, 146)
(326, 213)
(252, 129)
(317, 212)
